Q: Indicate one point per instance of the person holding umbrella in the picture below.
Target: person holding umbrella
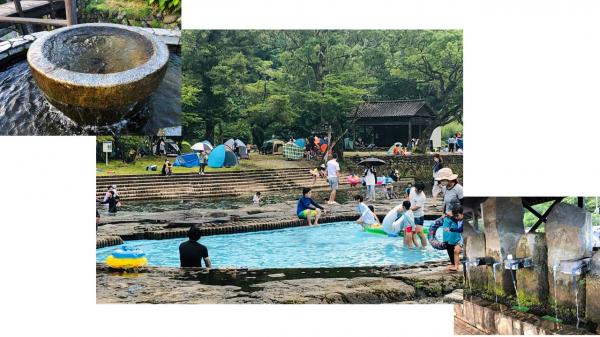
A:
(370, 175)
(203, 160)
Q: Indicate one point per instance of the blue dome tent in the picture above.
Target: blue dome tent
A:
(222, 156)
(187, 160)
(301, 142)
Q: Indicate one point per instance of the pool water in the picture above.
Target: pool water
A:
(338, 244)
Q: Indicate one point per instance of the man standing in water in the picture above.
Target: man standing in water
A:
(191, 253)
(333, 173)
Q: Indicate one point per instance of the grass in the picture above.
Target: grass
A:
(134, 9)
(256, 162)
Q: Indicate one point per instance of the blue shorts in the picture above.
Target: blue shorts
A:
(333, 183)
(419, 221)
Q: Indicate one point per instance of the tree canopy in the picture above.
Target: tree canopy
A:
(255, 85)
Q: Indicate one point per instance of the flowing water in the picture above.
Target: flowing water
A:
(512, 276)
(495, 282)
(576, 297)
(25, 111)
(554, 270)
(339, 244)
(102, 53)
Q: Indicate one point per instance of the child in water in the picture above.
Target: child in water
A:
(368, 218)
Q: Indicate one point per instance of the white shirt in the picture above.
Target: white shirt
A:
(417, 199)
(389, 219)
(406, 220)
(370, 178)
(332, 168)
(366, 214)
(256, 199)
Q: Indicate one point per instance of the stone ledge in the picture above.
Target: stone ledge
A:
(281, 286)
(499, 319)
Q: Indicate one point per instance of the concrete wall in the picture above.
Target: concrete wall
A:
(418, 166)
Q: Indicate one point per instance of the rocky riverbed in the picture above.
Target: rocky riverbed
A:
(137, 224)
(424, 283)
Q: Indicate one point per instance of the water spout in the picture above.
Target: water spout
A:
(517, 263)
(574, 268)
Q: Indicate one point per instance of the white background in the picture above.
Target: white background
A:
(531, 128)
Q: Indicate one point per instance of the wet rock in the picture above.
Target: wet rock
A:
(503, 221)
(475, 248)
(592, 284)
(533, 282)
(568, 235)
(168, 19)
(454, 297)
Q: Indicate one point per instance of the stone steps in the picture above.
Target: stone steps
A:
(212, 175)
(211, 185)
(201, 180)
(180, 193)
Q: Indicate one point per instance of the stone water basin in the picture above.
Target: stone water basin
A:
(97, 73)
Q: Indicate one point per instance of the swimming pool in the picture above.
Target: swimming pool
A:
(338, 244)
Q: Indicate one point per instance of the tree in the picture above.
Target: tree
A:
(257, 84)
(434, 60)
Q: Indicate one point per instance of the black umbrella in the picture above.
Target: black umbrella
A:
(372, 162)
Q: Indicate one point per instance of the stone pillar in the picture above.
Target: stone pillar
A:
(532, 283)
(475, 248)
(592, 289)
(503, 222)
(568, 236)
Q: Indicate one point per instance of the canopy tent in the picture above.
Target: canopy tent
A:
(301, 142)
(222, 156)
(292, 151)
(242, 150)
(390, 151)
(187, 160)
(272, 146)
(202, 146)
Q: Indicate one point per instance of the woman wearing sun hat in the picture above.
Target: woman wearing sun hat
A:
(452, 190)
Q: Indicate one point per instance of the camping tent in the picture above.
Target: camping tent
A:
(301, 142)
(202, 146)
(390, 151)
(292, 151)
(186, 147)
(273, 146)
(222, 156)
(187, 160)
(241, 147)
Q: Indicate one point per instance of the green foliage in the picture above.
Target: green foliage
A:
(450, 129)
(259, 84)
(169, 5)
(136, 9)
(590, 204)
